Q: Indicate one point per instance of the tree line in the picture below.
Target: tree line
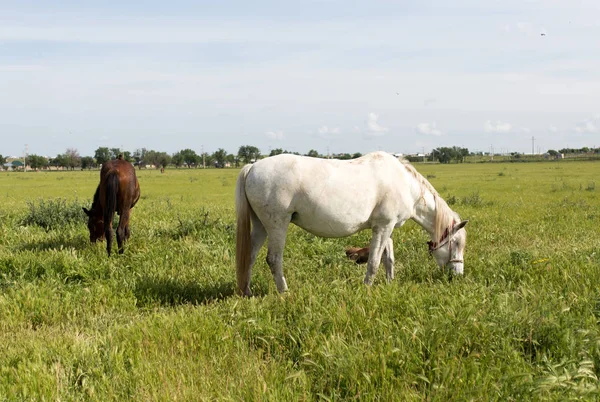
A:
(142, 158)
(188, 158)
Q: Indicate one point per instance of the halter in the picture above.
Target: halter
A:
(445, 239)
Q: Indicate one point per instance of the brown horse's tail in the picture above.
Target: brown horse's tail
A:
(112, 187)
(242, 254)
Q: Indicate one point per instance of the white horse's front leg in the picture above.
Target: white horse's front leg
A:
(388, 259)
(275, 258)
(378, 243)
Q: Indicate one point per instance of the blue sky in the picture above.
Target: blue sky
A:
(343, 76)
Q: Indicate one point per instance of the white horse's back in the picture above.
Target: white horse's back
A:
(327, 197)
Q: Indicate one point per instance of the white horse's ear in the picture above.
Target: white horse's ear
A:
(460, 226)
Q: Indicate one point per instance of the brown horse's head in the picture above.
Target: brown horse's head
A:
(95, 224)
(358, 255)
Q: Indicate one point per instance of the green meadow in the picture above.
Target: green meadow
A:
(163, 322)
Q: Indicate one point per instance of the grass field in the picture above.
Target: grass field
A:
(162, 322)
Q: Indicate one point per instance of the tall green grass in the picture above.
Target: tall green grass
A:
(162, 322)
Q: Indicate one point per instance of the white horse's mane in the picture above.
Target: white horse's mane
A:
(444, 216)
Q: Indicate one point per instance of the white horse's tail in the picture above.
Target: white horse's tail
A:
(242, 249)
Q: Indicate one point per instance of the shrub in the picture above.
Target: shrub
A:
(53, 213)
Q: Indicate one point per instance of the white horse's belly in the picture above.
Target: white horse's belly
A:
(329, 225)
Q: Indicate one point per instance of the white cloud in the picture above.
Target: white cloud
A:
(275, 135)
(497, 127)
(525, 129)
(591, 125)
(373, 127)
(553, 129)
(325, 130)
(429, 129)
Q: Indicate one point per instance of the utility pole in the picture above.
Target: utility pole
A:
(532, 145)
(202, 150)
(25, 158)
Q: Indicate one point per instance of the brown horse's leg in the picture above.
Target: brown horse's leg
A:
(123, 230)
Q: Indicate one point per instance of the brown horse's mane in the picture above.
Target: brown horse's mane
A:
(444, 216)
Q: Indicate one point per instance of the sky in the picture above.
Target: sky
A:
(331, 75)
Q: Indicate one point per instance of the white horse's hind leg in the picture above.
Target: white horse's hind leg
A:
(275, 257)
(388, 259)
(257, 239)
(378, 243)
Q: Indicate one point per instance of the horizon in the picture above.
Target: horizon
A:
(506, 152)
(321, 74)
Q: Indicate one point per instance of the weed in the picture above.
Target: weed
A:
(53, 213)
(475, 200)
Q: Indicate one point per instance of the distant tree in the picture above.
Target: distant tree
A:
(313, 153)
(190, 158)
(356, 155)
(279, 151)
(163, 159)
(206, 159)
(87, 162)
(177, 159)
(447, 154)
(220, 157)
(232, 160)
(59, 161)
(343, 156)
(72, 157)
(138, 157)
(248, 153)
(552, 152)
(151, 158)
(114, 153)
(37, 162)
(102, 155)
(463, 152)
(2, 160)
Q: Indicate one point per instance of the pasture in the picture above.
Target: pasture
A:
(162, 321)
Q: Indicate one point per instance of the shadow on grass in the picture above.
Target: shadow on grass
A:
(77, 243)
(169, 292)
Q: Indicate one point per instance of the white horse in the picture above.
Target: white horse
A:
(334, 198)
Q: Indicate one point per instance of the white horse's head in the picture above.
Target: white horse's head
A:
(451, 248)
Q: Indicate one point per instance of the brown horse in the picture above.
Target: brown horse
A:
(118, 191)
